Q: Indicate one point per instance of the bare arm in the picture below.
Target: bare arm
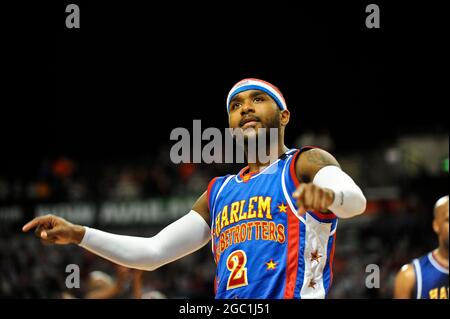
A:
(201, 207)
(311, 161)
(405, 282)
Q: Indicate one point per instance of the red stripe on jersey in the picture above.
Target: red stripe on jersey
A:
(243, 174)
(331, 259)
(292, 254)
(292, 170)
(208, 192)
(322, 215)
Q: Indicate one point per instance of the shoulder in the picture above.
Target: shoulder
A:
(405, 281)
(310, 160)
(407, 272)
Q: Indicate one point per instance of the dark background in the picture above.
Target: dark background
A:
(132, 72)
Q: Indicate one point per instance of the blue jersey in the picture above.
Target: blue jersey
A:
(431, 278)
(262, 246)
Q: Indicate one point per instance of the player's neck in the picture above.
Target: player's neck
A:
(259, 166)
(441, 254)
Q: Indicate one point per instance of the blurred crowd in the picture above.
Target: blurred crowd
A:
(395, 229)
(29, 269)
(64, 178)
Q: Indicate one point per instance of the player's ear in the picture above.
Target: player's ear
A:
(436, 226)
(284, 117)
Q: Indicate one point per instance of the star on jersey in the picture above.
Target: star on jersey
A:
(282, 208)
(271, 265)
(312, 284)
(315, 256)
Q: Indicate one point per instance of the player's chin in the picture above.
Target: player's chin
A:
(250, 133)
(257, 130)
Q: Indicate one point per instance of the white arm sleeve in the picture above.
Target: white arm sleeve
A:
(349, 200)
(182, 237)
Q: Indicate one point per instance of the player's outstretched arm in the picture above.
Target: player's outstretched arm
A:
(405, 282)
(184, 236)
(326, 187)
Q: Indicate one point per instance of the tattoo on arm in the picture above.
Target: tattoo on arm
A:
(311, 161)
(318, 158)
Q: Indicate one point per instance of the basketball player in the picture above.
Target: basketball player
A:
(427, 276)
(272, 225)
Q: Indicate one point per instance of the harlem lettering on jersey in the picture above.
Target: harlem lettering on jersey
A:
(438, 293)
(257, 207)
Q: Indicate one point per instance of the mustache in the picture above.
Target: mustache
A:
(248, 119)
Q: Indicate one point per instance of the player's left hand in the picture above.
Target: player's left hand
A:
(312, 197)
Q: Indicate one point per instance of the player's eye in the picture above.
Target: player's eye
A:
(236, 105)
(258, 99)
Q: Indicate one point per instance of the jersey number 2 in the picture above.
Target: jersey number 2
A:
(236, 264)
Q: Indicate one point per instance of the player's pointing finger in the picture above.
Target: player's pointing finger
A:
(33, 223)
(30, 225)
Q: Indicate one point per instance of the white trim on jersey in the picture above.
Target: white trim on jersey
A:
(316, 241)
(418, 277)
(435, 264)
(334, 229)
(286, 195)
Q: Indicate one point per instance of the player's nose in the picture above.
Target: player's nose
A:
(247, 107)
